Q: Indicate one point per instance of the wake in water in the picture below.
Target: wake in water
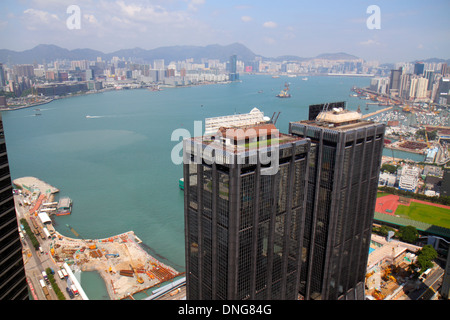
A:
(94, 117)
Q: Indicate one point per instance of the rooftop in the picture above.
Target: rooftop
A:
(245, 138)
(337, 118)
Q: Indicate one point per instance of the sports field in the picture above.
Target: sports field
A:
(417, 210)
(425, 213)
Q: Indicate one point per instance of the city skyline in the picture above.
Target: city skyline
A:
(407, 31)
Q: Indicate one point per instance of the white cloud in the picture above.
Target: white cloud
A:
(269, 40)
(90, 18)
(194, 3)
(370, 42)
(246, 18)
(270, 24)
(37, 19)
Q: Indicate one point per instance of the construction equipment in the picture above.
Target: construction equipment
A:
(138, 277)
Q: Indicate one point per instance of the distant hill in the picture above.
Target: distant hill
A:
(328, 56)
(48, 53)
(337, 56)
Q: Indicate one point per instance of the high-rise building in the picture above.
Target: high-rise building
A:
(13, 284)
(344, 164)
(244, 211)
(158, 64)
(297, 229)
(234, 75)
(394, 81)
(2, 77)
(419, 67)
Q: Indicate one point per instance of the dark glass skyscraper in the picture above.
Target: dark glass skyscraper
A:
(13, 284)
(244, 215)
(344, 165)
(300, 231)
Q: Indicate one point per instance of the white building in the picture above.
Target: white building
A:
(409, 178)
(387, 179)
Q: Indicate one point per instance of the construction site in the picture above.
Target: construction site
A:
(122, 262)
(124, 266)
(388, 274)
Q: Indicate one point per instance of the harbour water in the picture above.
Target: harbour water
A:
(116, 164)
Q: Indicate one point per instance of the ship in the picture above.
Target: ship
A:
(285, 92)
(64, 206)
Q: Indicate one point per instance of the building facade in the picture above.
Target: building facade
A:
(13, 283)
(244, 217)
(344, 164)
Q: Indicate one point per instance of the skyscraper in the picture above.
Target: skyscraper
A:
(297, 226)
(344, 164)
(13, 284)
(419, 68)
(244, 211)
(394, 81)
(234, 75)
(2, 76)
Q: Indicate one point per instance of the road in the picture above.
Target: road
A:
(38, 262)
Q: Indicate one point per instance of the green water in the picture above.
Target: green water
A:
(116, 166)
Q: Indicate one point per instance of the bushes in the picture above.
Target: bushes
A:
(425, 257)
(30, 234)
(55, 286)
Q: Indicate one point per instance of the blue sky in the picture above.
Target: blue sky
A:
(409, 30)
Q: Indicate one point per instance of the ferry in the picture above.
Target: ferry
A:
(64, 207)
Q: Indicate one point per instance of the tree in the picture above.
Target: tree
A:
(408, 234)
(389, 168)
(425, 257)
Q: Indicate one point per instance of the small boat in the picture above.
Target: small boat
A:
(305, 79)
(181, 183)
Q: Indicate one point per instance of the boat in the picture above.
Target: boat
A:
(275, 77)
(285, 92)
(64, 206)
(181, 183)
(305, 79)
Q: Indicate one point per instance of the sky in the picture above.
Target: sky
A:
(397, 31)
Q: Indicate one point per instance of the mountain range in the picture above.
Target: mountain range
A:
(48, 53)
(45, 53)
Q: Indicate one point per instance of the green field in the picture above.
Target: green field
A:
(425, 213)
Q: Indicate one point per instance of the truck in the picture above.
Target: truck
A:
(74, 289)
(44, 289)
(64, 272)
(61, 275)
